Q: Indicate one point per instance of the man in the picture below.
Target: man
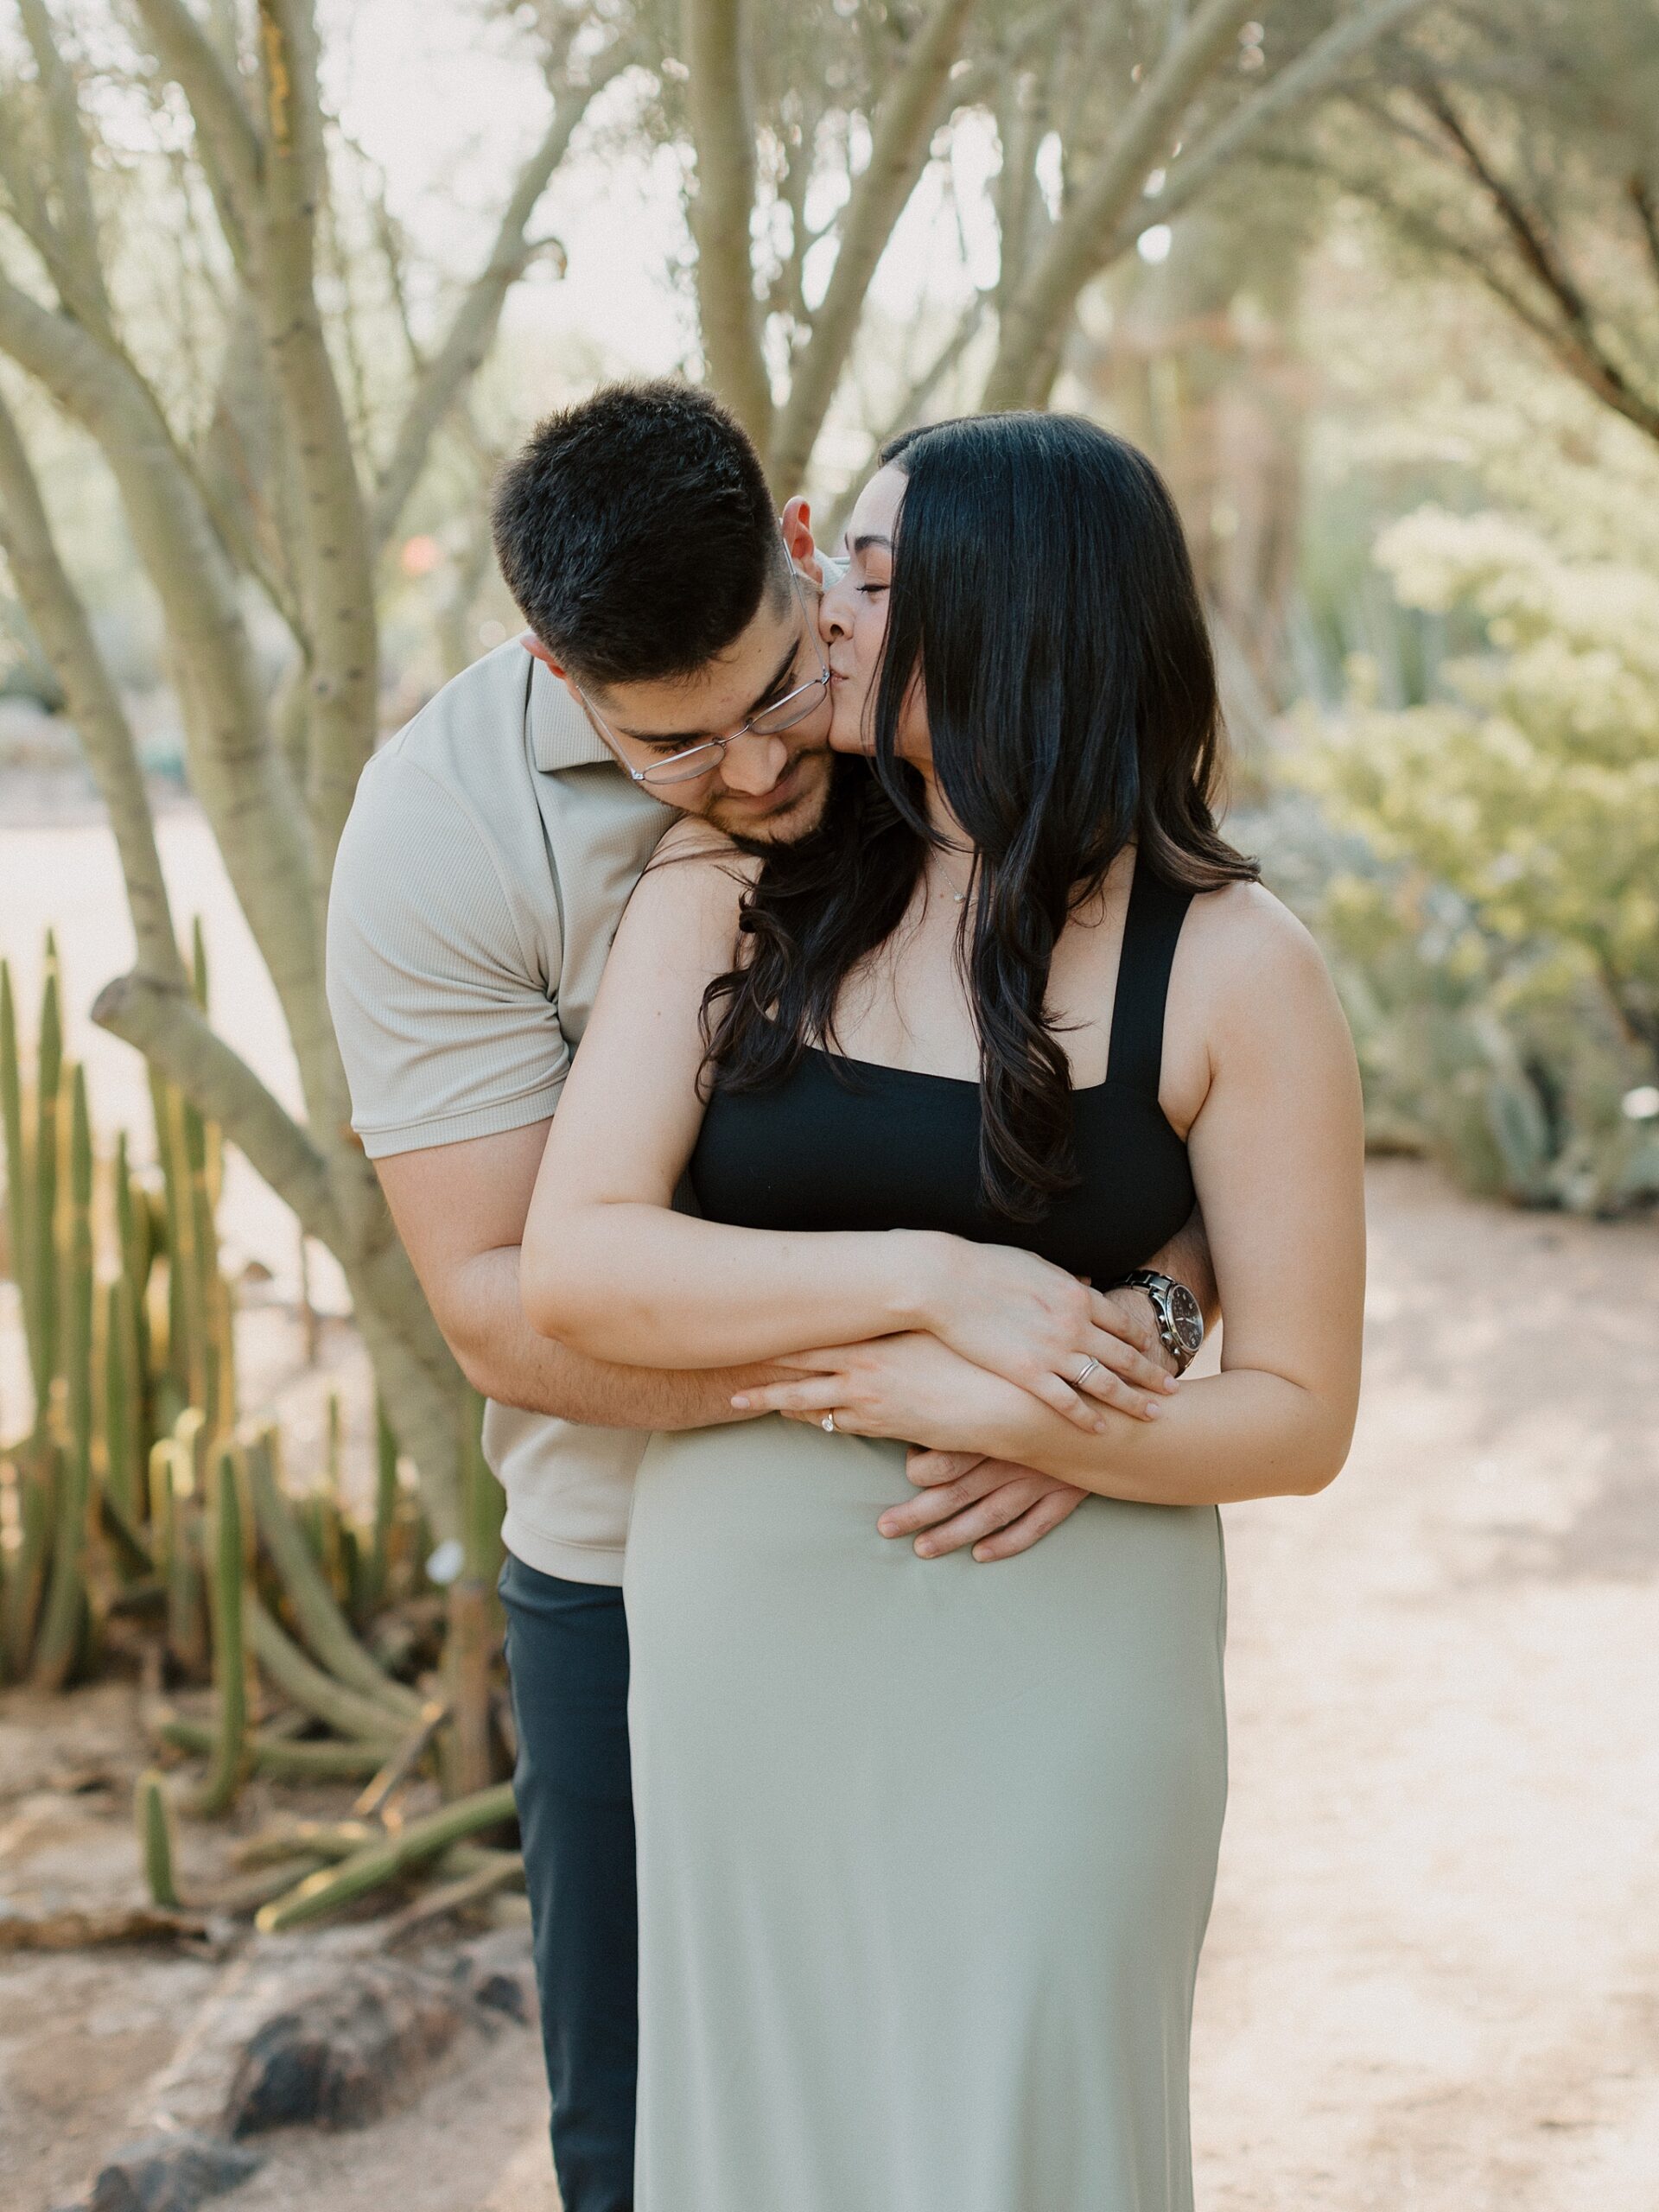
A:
(673, 663)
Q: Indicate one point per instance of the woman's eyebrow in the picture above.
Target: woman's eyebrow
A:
(874, 538)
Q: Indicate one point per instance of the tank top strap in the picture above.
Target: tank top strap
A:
(1134, 1051)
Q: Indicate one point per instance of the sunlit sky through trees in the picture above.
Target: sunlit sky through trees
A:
(447, 107)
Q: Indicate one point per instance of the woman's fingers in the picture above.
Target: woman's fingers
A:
(1123, 1380)
(1060, 1397)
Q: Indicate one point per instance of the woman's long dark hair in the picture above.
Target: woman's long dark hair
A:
(1042, 590)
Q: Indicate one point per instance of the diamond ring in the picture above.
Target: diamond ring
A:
(828, 1424)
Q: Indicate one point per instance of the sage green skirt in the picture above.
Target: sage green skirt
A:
(926, 1847)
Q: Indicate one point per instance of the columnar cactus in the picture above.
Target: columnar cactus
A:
(227, 1571)
(65, 1621)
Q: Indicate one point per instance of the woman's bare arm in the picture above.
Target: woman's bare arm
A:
(610, 1269)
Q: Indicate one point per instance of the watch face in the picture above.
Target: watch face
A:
(1185, 1317)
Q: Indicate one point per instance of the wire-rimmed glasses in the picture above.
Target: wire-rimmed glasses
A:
(698, 760)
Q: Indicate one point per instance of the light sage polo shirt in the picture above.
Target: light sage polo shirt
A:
(490, 850)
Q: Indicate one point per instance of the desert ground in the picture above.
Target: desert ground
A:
(1432, 1981)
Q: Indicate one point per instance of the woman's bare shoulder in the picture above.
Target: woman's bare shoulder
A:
(1253, 980)
(695, 868)
(1243, 935)
(684, 907)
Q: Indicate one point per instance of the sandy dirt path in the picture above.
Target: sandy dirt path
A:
(1432, 1972)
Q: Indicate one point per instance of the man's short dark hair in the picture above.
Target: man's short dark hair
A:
(637, 532)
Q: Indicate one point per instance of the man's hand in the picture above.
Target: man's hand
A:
(994, 1506)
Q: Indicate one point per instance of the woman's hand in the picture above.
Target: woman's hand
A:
(1012, 1314)
(910, 1387)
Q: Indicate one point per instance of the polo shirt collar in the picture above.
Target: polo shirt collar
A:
(561, 735)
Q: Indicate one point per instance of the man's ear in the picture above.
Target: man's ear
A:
(797, 536)
(533, 646)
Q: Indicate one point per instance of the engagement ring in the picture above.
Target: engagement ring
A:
(1089, 1367)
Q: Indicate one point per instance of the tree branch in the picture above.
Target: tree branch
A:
(164, 1023)
(333, 563)
(1647, 215)
(900, 141)
(1105, 220)
(1584, 363)
(248, 497)
(76, 268)
(918, 393)
(1318, 69)
(722, 134)
(1536, 250)
(229, 144)
(472, 327)
(1150, 124)
(59, 617)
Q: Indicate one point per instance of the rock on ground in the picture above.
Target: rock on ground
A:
(169, 2173)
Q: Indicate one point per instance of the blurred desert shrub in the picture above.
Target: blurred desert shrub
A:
(1484, 868)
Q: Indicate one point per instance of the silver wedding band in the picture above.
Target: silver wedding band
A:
(1089, 1367)
(828, 1424)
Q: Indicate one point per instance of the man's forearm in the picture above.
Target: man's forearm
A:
(1185, 1259)
(504, 1358)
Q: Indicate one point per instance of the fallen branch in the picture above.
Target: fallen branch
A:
(397, 1770)
(84, 1932)
(449, 1898)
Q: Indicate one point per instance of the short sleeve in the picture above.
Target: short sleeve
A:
(447, 1023)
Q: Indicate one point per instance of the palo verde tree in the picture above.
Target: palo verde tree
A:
(261, 483)
(1518, 147)
(811, 135)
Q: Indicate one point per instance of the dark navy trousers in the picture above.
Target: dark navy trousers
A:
(567, 1656)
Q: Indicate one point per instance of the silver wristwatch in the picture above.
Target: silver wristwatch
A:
(1178, 1315)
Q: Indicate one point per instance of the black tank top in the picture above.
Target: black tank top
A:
(850, 1144)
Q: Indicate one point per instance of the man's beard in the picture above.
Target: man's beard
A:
(755, 832)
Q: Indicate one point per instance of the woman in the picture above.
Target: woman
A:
(926, 1851)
